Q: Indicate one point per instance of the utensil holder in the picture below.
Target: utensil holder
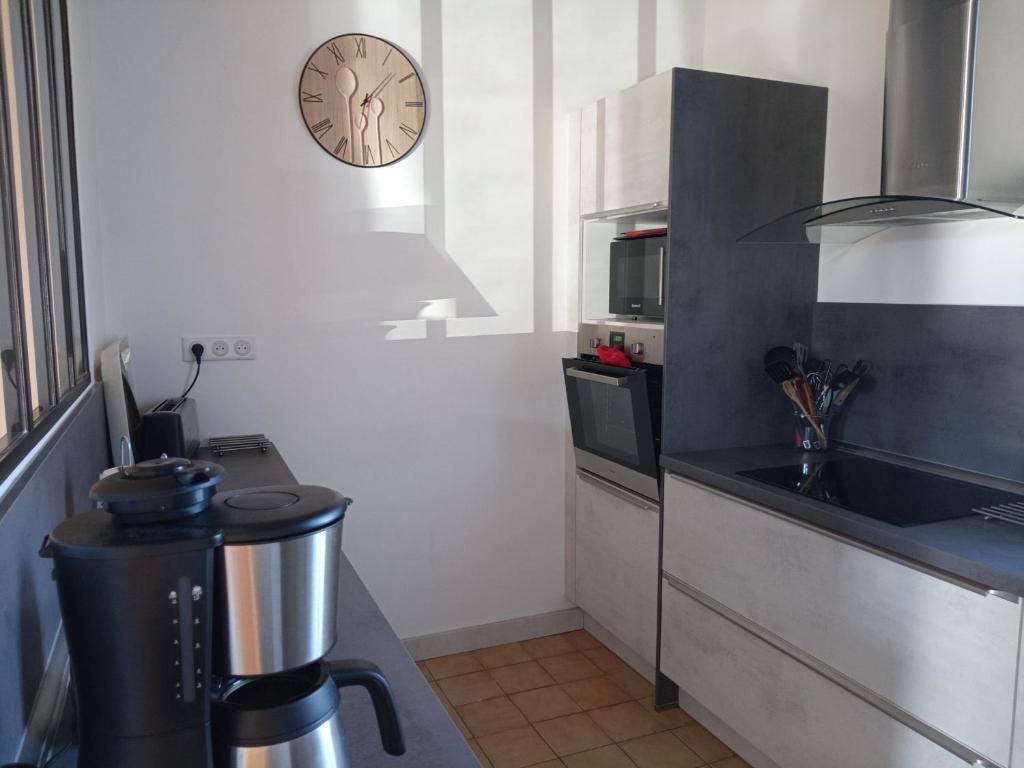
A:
(806, 437)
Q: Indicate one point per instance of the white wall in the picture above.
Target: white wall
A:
(841, 44)
(214, 212)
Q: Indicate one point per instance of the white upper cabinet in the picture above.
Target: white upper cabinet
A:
(624, 148)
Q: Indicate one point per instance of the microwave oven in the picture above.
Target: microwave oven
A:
(637, 276)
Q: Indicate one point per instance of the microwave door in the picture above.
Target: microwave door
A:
(611, 423)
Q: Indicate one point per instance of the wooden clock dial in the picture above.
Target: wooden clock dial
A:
(362, 100)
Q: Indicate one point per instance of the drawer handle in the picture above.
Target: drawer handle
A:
(851, 686)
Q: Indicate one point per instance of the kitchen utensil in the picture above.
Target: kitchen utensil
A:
(136, 601)
(790, 388)
(800, 351)
(276, 576)
(294, 720)
(780, 364)
(842, 396)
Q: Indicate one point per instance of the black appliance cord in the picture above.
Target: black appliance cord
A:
(197, 353)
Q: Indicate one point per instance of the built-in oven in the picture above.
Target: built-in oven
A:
(637, 275)
(615, 411)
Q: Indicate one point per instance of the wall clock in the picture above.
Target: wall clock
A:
(362, 100)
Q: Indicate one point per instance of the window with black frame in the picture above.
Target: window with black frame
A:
(43, 348)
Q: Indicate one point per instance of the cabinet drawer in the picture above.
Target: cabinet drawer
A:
(617, 563)
(792, 714)
(944, 654)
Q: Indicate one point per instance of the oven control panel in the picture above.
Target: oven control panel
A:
(643, 342)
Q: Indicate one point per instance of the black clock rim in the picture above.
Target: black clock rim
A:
(423, 83)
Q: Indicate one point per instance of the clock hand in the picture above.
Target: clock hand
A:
(380, 87)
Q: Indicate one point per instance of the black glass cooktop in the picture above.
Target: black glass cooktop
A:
(889, 492)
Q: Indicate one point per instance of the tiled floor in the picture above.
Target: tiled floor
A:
(566, 701)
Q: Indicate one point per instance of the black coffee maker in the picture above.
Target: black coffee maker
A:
(141, 583)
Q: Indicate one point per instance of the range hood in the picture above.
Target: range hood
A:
(953, 147)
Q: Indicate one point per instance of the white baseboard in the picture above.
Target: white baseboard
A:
(497, 633)
(46, 719)
(620, 649)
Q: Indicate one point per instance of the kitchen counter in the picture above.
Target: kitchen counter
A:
(431, 738)
(989, 553)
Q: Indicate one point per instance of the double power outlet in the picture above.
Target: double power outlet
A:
(219, 348)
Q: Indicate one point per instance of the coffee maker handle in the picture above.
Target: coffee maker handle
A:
(368, 675)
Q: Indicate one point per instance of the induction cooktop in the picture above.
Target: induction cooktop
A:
(891, 493)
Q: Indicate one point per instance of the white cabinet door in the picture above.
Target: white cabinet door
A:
(624, 147)
(943, 653)
(792, 714)
(617, 563)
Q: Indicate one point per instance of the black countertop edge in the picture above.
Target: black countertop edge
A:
(987, 553)
(432, 739)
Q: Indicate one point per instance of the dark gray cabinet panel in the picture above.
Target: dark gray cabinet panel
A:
(744, 151)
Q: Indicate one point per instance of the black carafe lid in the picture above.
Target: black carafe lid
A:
(158, 490)
(274, 512)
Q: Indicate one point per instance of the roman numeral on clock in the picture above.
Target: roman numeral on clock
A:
(402, 80)
(322, 128)
(387, 57)
(368, 155)
(410, 132)
(360, 47)
(414, 103)
(342, 145)
(317, 98)
(339, 58)
(314, 68)
(392, 148)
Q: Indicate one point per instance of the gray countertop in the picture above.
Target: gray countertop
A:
(431, 738)
(989, 553)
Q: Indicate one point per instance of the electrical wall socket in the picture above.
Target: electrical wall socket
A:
(220, 347)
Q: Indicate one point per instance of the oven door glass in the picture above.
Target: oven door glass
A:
(611, 414)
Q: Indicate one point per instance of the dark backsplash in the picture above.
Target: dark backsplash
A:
(947, 384)
(54, 488)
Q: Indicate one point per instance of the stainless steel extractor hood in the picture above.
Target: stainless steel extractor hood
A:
(953, 147)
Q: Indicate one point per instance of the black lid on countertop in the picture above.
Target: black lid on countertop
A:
(98, 536)
(273, 512)
(158, 490)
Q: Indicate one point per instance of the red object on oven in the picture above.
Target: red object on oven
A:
(613, 356)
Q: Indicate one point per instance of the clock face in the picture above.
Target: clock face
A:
(362, 100)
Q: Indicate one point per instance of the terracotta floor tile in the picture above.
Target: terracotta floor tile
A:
(596, 692)
(452, 712)
(484, 762)
(451, 666)
(570, 667)
(545, 703)
(522, 677)
(703, 742)
(466, 689)
(626, 721)
(582, 640)
(554, 645)
(605, 757)
(731, 762)
(517, 749)
(484, 718)
(556, 763)
(572, 733)
(503, 655)
(661, 750)
(632, 683)
(673, 717)
(424, 669)
(605, 660)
